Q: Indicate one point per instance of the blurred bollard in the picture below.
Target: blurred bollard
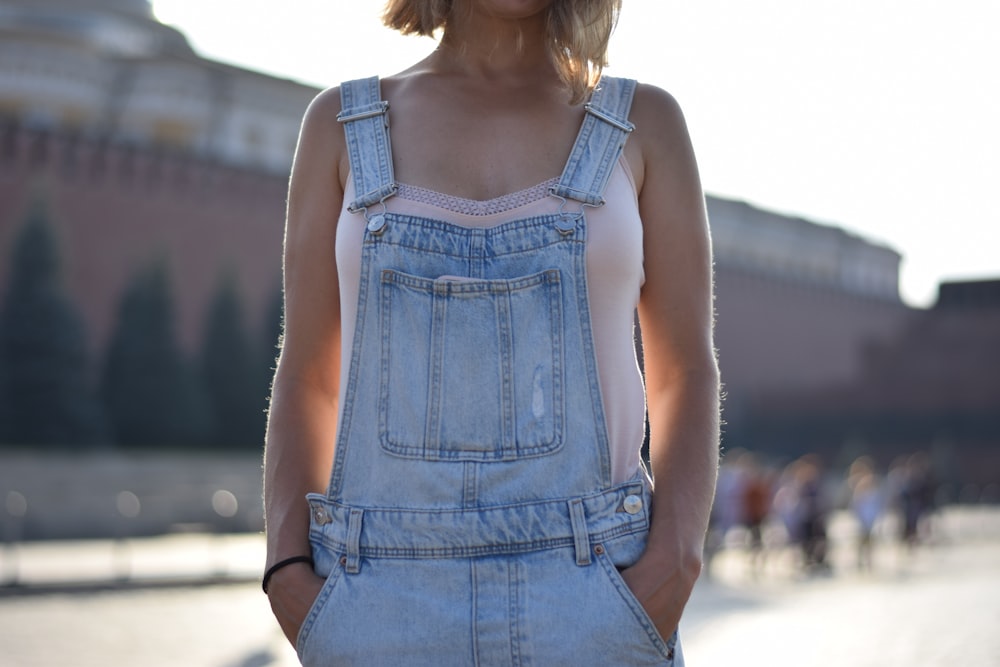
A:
(16, 508)
(226, 506)
(129, 507)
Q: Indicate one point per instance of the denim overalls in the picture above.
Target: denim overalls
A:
(470, 517)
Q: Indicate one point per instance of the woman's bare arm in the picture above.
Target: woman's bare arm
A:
(682, 377)
(303, 415)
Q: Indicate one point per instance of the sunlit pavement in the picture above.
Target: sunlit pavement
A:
(194, 601)
(938, 606)
(175, 601)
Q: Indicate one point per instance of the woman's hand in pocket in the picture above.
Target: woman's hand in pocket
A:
(663, 588)
(292, 592)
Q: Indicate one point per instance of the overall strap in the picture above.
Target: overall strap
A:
(599, 143)
(366, 125)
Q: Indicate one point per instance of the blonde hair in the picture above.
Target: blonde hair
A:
(579, 29)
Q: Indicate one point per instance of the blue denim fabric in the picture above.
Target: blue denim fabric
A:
(470, 517)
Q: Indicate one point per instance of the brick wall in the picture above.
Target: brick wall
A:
(116, 209)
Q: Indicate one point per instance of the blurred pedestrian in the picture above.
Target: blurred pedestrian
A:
(727, 507)
(814, 513)
(802, 504)
(756, 508)
(916, 497)
(867, 503)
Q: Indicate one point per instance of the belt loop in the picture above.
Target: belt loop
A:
(353, 563)
(581, 538)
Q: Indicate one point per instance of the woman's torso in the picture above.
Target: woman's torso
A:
(614, 276)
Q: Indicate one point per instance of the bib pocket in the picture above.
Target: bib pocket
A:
(471, 369)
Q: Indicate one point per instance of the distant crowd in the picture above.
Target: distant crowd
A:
(762, 507)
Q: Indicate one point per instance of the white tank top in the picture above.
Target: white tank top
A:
(614, 278)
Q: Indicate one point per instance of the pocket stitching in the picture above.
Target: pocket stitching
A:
(638, 611)
(549, 281)
(318, 605)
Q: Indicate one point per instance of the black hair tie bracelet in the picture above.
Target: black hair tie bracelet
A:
(283, 563)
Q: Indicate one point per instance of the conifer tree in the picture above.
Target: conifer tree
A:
(231, 378)
(152, 395)
(47, 394)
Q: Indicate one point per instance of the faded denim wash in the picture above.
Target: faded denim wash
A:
(470, 517)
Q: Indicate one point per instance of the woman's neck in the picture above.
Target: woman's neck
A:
(491, 48)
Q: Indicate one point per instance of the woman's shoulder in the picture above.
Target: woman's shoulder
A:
(659, 128)
(654, 107)
(321, 137)
(325, 106)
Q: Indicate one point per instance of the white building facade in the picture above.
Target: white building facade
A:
(108, 70)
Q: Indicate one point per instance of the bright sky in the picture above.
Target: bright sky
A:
(880, 116)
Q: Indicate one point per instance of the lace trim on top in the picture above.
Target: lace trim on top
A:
(476, 207)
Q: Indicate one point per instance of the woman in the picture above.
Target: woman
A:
(458, 350)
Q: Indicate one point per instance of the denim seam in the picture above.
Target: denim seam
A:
(641, 617)
(509, 548)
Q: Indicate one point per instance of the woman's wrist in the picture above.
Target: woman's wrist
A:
(280, 565)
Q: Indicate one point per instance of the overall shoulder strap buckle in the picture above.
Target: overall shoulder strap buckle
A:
(375, 109)
(599, 143)
(365, 117)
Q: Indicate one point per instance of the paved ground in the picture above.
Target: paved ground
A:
(937, 606)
